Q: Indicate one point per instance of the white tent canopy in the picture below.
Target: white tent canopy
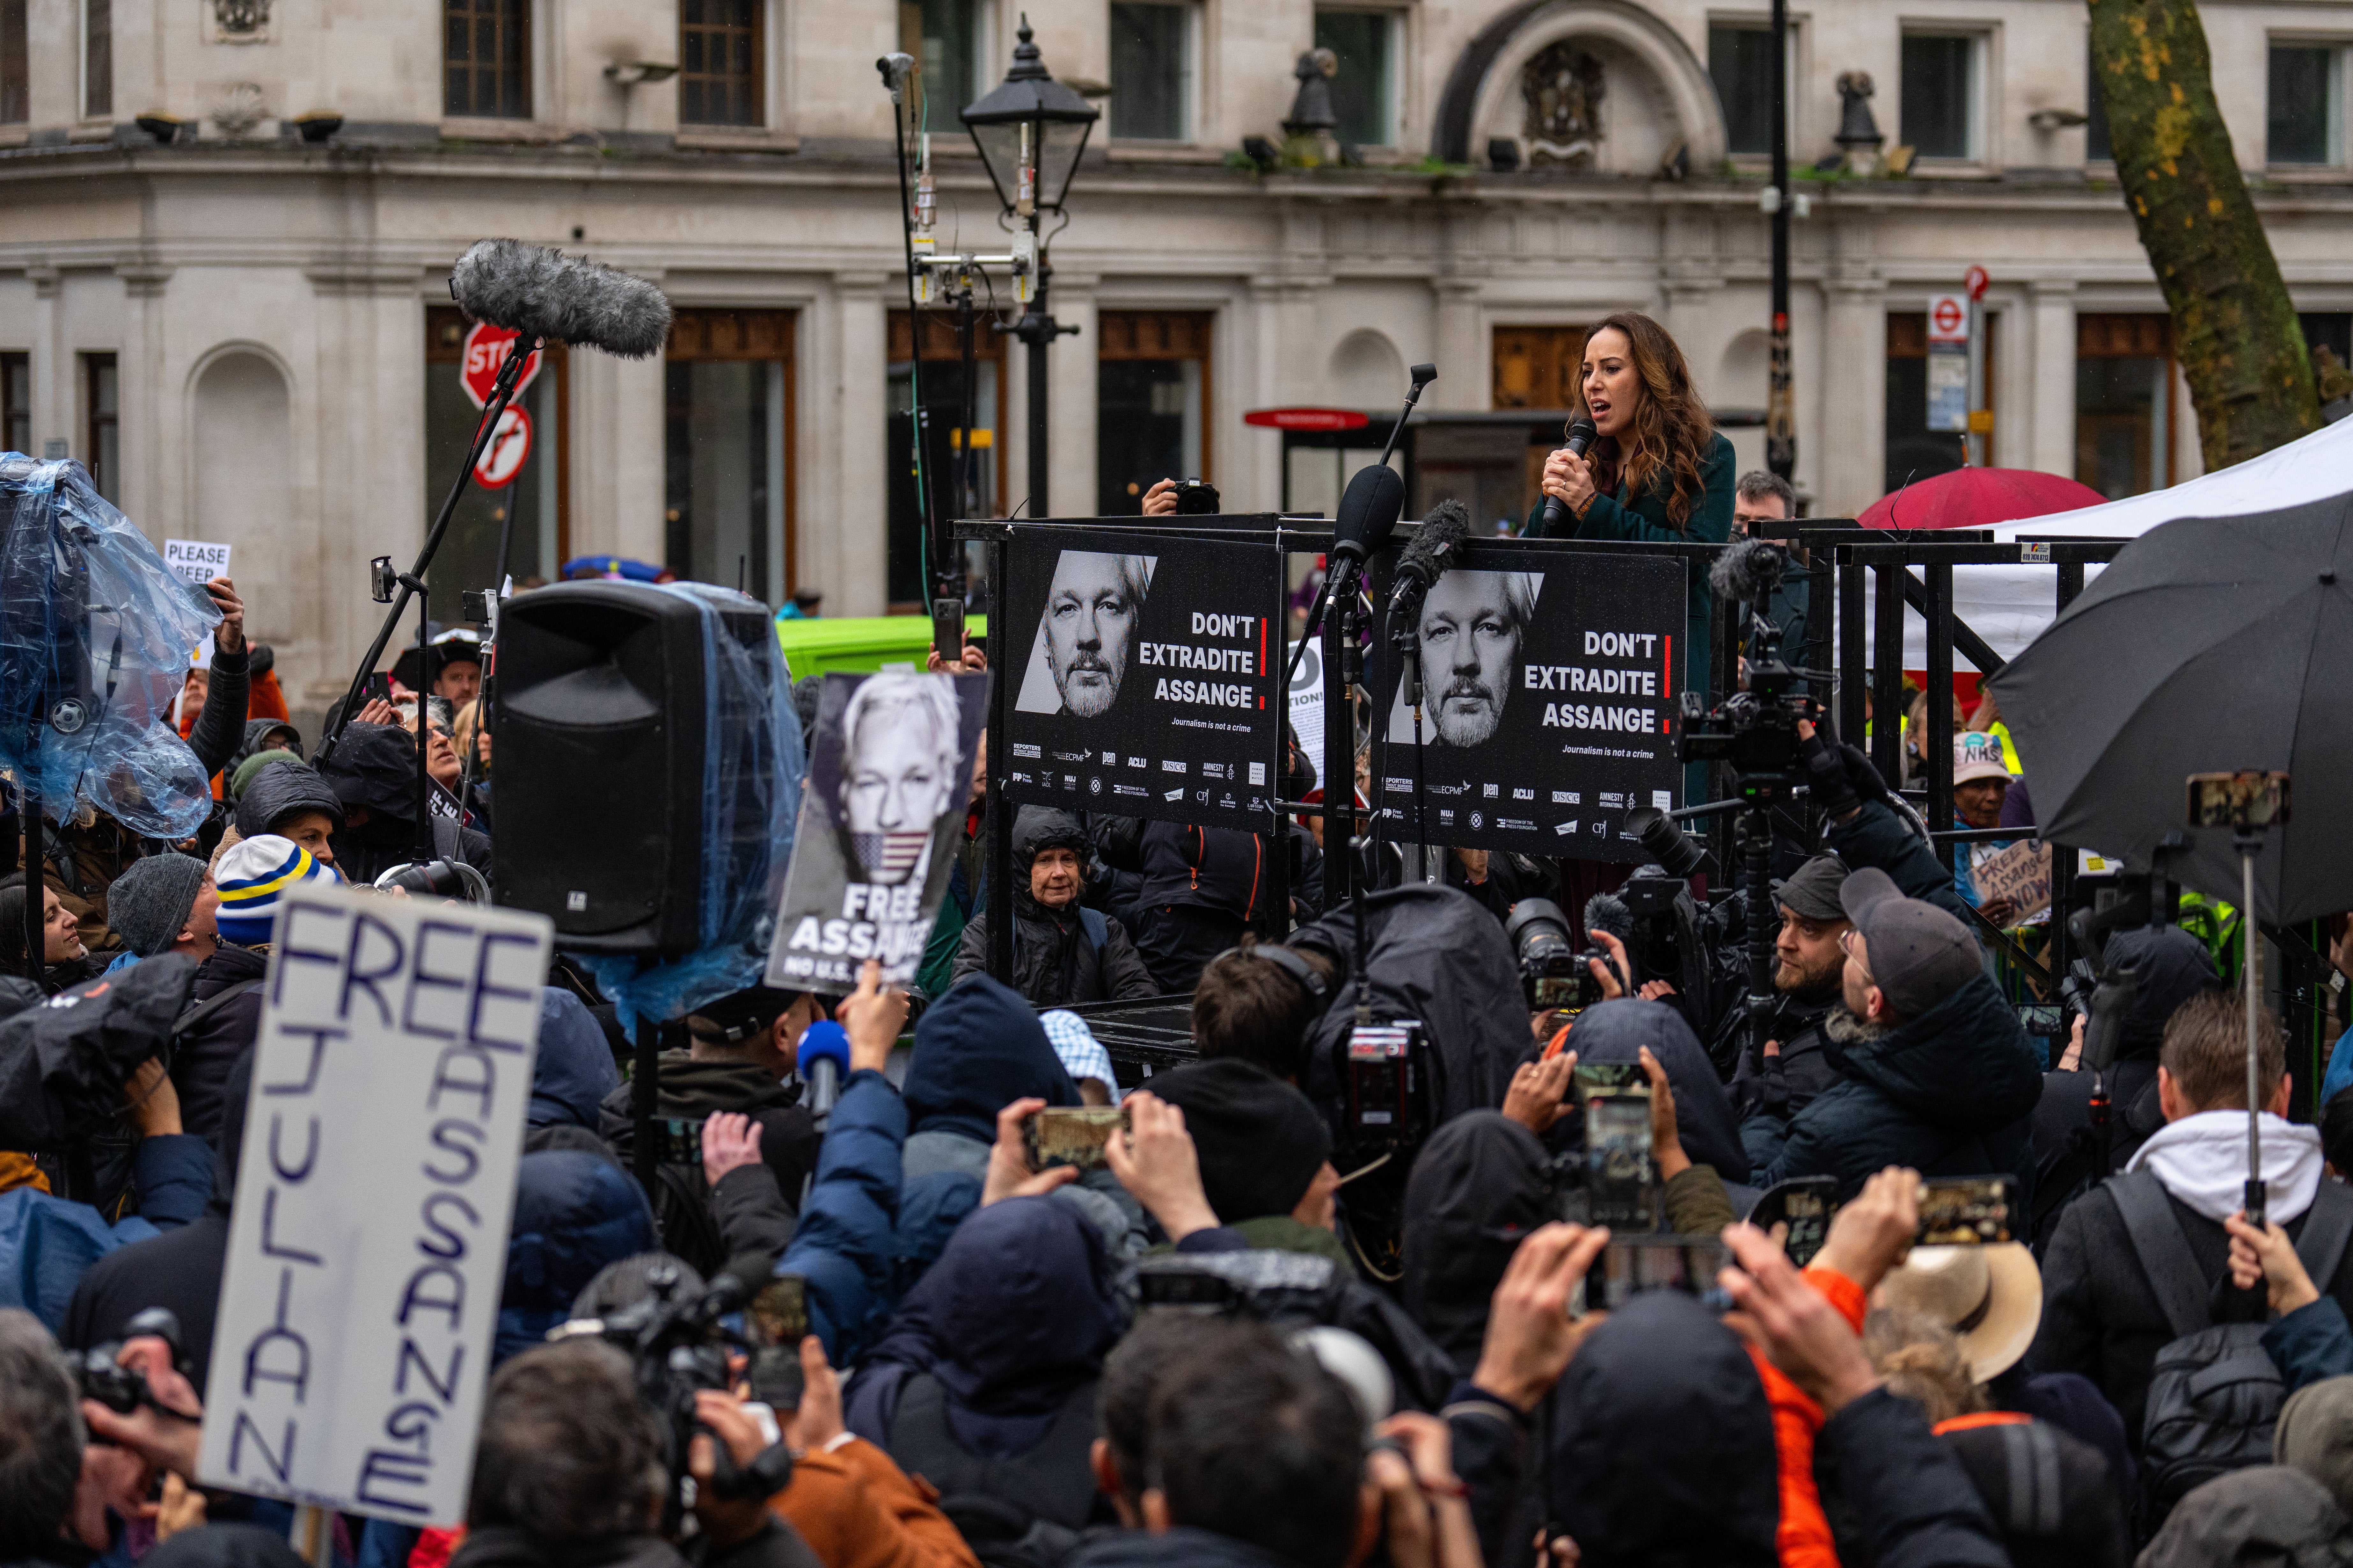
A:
(2010, 606)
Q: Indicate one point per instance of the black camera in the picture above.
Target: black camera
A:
(1385, 1077)
(1553, 975)
(1196, 498)
(678, 1344)
(124, 1389)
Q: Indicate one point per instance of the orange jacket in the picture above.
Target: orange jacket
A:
(857, 1509)
(1804, 1536)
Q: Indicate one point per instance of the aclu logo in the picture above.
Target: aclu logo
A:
(1136, 762)
(1518, 793)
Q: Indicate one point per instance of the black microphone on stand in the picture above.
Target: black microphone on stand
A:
(1582, 433)
(1433, 548)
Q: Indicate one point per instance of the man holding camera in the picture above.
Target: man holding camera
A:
(1808, 973)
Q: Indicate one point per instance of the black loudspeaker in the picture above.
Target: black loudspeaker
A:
(602, 759)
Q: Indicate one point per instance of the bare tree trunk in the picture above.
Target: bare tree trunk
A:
(2234, 326)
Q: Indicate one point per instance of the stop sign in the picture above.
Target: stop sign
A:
(477, 362)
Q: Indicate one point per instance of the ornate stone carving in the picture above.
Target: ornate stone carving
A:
(241, 21)
(238, 108)
(1563, 87)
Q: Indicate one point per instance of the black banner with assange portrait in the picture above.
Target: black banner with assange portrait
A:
(1548, 708)
(1143, 685)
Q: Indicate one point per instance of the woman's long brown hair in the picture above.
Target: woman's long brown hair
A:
(1671, 425)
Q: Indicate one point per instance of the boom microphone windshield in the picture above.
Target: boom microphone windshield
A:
(1749, 570)
(542, 293)
(1434, 547)
(1608, 912)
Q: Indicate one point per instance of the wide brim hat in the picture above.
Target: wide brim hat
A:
(1990, 1296)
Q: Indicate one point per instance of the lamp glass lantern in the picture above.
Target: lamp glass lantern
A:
(1030, 131)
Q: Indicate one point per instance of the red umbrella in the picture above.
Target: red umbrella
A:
(1978, 498)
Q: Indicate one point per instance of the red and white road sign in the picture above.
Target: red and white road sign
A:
(1974, 281)
(510, 445)
(477, 362)
(1949, 318)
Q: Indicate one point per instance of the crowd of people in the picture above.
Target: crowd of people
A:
(1224, 1345)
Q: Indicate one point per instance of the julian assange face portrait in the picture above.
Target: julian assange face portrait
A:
(1090, 611)
(898, 762)
(1470, 627)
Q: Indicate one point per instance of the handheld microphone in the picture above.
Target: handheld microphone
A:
(1426, 560)
(1582, 433)
(536, 292)
(822, 1059)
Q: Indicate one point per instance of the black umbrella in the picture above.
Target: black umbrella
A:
(2211, 644)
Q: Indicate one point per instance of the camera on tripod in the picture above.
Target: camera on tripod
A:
(1384, 1078)
(1756, 728)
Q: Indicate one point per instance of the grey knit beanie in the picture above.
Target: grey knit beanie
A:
(149, 903)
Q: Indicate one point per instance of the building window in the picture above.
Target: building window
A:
(486, 60)
(966, 468)
(1364, 87)
(719, 62)
(2124, 403)
(16, 402)
(15, 86)
(529, 510)
(1536, 367)
(2096, 145)
(97, 58)
(2304, 122)
(728, 466)
(2330, 330)
(1151, 72)
(102, 442)
(1940, 113)
(1913, 452)
(945, 37)
(1740, 62)
(1151, 403)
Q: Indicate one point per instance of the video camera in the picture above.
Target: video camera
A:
(1756, 728)
(1553, 973)
(678, 1344)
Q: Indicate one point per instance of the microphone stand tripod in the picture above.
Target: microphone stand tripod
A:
(413, 581)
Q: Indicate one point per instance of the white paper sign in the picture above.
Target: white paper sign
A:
(1305, 704)
(194, 559)
(367, 1245)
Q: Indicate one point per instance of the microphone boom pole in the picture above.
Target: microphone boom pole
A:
(502, 392)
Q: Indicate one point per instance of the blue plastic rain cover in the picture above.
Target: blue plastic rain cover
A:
(96, 635)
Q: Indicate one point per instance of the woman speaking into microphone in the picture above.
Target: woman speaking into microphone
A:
(1656, 469)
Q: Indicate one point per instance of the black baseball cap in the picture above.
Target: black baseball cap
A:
(740, 1015)
(1917, 953)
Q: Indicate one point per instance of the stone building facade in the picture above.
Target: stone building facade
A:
(226, 227)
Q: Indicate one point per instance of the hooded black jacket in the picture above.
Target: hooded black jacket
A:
(180, 1268)
(1436, 954)
(1616, 1030)
(1200, 888)
(374, 766)
(281, 791)
(1056, 962)
(1950, 1094)
(692, 1090)
(1480, 1184)
(208, 1052)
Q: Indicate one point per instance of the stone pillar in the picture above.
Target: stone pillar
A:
(1072, 401)
(54, 400)
(1850, 441)
(858, 582)
(2053, 448)
(141, 373)
(1465, 346)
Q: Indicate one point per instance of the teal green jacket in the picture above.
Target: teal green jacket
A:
(1644, 516)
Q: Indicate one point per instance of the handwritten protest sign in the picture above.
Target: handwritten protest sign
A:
(194, 559)
(2022, 874)
(367, 1245)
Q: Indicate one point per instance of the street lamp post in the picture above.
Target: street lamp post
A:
(1030, 131)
